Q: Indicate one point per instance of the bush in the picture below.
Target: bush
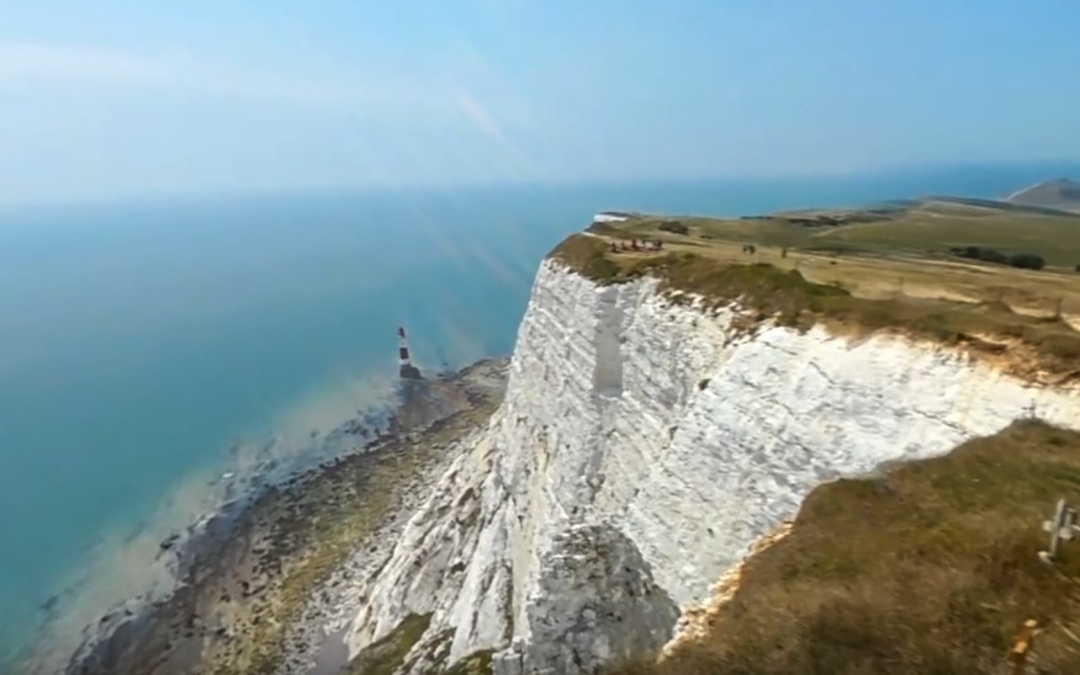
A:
(1027, 261)
(978, 253)
(1078, 267)
(674, 226)
(990, 255)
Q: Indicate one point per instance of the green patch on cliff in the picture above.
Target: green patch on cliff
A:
(588, 255)
(385, 656)
(1034, 344)
(931, 568)
(477, 663)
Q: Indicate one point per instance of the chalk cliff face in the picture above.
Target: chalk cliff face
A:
(641, 447)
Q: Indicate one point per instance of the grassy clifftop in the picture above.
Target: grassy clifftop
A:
(1041, 345)
(931, 569)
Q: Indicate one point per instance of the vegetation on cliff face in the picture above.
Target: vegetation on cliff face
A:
(1026, 344)
(477, 663)
(931, 568)
(385, 656)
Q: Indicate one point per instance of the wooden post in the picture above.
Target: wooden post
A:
(1031, 411)
(1062, 528)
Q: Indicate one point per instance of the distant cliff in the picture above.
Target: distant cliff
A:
(1061, 194)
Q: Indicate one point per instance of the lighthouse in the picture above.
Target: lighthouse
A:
(406, 370)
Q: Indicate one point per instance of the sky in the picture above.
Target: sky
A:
(109, 99)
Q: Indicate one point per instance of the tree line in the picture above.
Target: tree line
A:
(1027, 261)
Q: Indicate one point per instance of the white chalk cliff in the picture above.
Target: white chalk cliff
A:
(642, 446)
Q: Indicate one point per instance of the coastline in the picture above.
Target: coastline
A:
(274, 561)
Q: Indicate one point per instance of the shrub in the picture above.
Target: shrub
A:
(1027, 261)
(990, 255)
(994, 256)
(1077, 267)
(674, 226)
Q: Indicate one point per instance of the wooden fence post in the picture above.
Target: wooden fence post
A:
(1062, 528)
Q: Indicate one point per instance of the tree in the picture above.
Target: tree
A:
(1027, 261)
(990, 255)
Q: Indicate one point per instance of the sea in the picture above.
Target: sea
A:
(145, 345)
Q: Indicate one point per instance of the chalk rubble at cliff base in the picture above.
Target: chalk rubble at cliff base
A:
(641, 448)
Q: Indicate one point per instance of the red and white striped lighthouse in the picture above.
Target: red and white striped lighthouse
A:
(406, 370)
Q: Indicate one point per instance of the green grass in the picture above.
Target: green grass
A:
(929, 227)
(477, 663)
(931, 568)
(1048, 345)
(384, 656)
(933, 228)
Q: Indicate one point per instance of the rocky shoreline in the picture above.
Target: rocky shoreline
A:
(264, 585)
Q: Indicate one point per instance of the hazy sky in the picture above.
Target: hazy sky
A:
(109, 98)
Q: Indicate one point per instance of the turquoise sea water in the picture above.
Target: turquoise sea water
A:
(139, 342)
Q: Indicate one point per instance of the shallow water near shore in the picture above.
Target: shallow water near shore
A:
(147, 350)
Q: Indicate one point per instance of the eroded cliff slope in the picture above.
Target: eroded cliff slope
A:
(642, 446)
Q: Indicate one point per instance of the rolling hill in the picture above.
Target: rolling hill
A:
(1056, 194)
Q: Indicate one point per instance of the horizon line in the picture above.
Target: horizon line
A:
(203, 195)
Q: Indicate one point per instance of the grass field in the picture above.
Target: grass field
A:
(924, 229)
(931, 569)
(881, 255)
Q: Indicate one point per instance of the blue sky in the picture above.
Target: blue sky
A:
(117, 98)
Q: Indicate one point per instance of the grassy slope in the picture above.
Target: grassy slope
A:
(1062, 194)
(930, 569)
(939, 226)
(927, 227)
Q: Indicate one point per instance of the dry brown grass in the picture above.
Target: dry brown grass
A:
(901, 253)
(1044, 348)
(889, 263)
(930, 569)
